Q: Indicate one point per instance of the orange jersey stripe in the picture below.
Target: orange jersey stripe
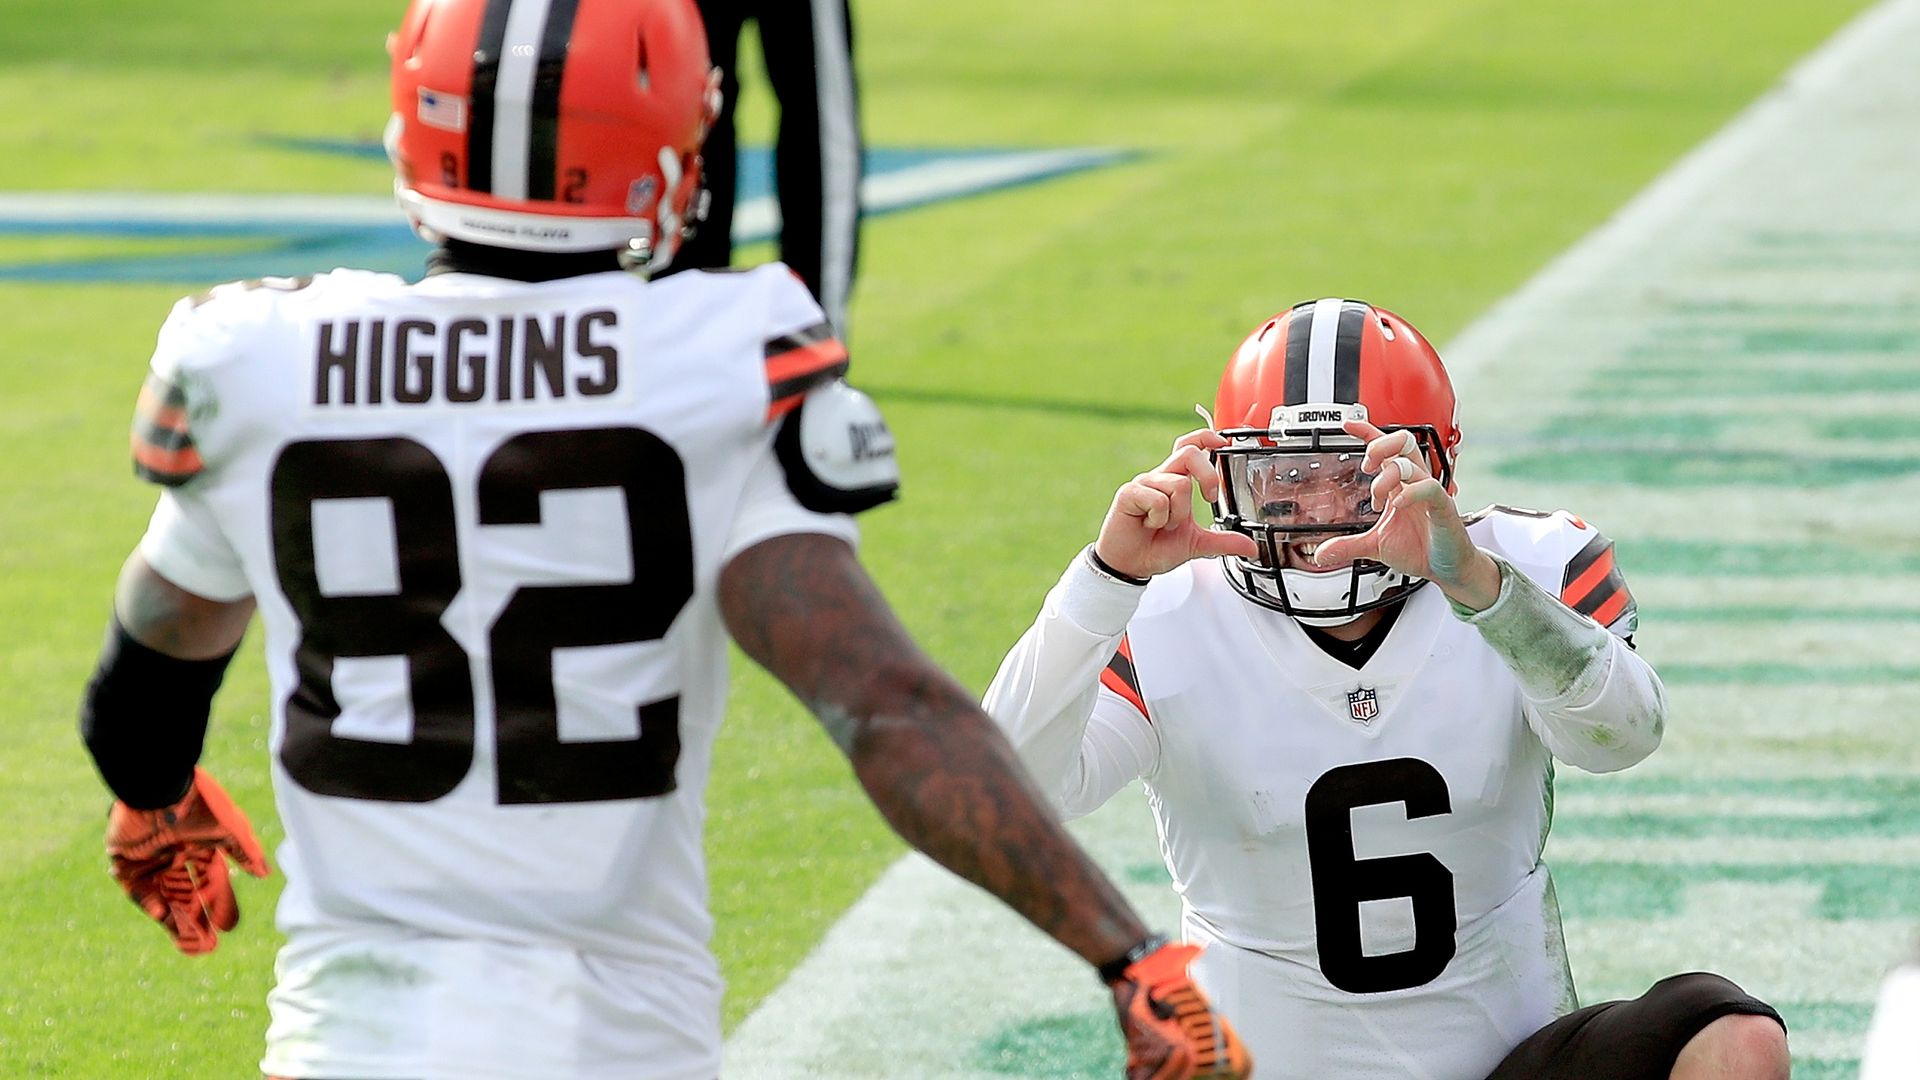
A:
(784, 406)
(1119, 676)
(1614, 606)
(1114, 683)
(805, 360)
(156, 412)
(1579, 587)
(182, 462)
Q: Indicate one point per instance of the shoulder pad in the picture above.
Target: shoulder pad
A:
(837, 451)
(1563, 555)
(233, 289)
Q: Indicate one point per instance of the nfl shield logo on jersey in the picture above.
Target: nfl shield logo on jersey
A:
(1363, 704)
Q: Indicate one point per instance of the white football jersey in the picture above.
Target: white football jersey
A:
(483, 520)
(1359, 848)
(1892, 1050)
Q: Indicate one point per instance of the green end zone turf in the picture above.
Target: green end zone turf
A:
(1031, 348)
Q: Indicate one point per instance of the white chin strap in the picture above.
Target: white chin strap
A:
(1318, 599)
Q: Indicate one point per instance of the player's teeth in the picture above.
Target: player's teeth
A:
(1309, 549)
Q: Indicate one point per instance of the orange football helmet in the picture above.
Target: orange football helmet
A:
(1290, 472)
(552, 125)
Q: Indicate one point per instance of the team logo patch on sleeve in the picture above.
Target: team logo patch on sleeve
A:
(163, 450)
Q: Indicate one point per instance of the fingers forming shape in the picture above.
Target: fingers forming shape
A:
(1210, 542)
(1176, 509)
(1425, 491)
(1137, 499)
(1362, 430)
(1201, 438)
(1397, 444)
(1193, 460)
(1346, 548)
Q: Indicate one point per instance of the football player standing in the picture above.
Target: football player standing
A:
(1345, 701)
(498, 525)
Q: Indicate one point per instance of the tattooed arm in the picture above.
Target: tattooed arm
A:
(167, 618)
(936, 766)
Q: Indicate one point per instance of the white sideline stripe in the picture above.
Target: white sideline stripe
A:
(1735, 850)
(198, 209)
(755, 219)
(1683, 185)
(839, 157)
(922, 954)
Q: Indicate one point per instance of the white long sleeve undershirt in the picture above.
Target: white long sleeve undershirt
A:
(1082, 745)
(1591, 700)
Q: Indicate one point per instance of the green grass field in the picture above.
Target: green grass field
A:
(1031, 347)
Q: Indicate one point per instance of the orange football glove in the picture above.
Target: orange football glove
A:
(173, 861)
(1172, 1032)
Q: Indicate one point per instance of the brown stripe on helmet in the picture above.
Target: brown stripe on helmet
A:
(486, 78)
(1299, 330)
(1346, 350)
(543, 135)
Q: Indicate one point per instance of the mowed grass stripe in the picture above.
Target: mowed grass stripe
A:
(1763, 614)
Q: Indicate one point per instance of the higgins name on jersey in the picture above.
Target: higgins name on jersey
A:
(542, 356)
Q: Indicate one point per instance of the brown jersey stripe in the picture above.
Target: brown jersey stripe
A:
(163, 438)
(161, 404)
(161, 441)
(786, 394)
(169, 468)
(807, 379)
(1609, 611)
(1580, 589)
(804, 361)
(783, 406)
(1602, 592)
(1120, 677)
(1597, 546)
(799, 339)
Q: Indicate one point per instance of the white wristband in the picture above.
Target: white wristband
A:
(1095, 600)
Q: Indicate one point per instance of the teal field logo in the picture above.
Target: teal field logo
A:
(209, 237)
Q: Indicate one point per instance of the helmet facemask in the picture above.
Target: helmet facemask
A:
(1293, 485)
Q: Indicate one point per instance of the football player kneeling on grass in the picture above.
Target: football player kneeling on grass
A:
(1345, 701)
(498, 524)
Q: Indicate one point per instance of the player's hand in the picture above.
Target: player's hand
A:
(1172, 1032)
(1150, 529)
(173, 861)
(1419, 531)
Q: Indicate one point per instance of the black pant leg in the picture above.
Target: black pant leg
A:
(1630, 1040)
(711, 246)
(809, 47)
